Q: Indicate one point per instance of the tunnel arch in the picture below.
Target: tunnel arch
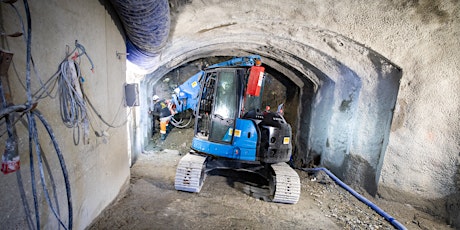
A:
(353, 90)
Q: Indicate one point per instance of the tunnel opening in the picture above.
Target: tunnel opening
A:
(278, 91)
(342, 112)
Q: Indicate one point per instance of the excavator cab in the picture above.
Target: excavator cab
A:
(220, 128)
(219, 105)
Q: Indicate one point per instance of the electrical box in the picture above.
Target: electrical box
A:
(256, 77)
(132, 94)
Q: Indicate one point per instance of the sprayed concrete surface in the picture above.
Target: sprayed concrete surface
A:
(98, 169)
(413, 157)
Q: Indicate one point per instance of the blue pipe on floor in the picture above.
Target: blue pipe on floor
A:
(147, 25)
(385, 215)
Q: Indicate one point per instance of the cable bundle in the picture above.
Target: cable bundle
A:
(32, 113)
(72, 100)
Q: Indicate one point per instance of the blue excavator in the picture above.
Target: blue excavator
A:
(231, 126)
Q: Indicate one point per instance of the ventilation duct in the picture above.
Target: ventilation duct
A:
(146, 24)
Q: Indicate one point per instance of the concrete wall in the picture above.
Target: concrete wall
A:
(99, 170)
(395, 30)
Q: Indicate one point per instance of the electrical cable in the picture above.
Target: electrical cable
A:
(73, 110)
(44, 86)
(102, 119)
(118, 112)
(71, 99)
(33, 126)
(29, 103)
(32, 177)
(80, 50)
(25, 204)
(52, 182)
(62, 164)
(21, 186)
(83, 52)
(72, 105)
(31, 58)
(110, 125)
(33, 139)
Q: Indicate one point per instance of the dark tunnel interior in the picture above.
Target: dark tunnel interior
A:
(278, 89)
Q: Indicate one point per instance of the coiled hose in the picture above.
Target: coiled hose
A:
(147, 25)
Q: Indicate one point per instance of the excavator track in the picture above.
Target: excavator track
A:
(190, 173)
(286, 184)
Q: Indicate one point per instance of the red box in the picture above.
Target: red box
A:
(256, 77)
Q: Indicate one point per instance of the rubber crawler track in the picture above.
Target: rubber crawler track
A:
(287, 184)
(190, 173)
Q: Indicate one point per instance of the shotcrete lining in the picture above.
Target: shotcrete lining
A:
(348, 80)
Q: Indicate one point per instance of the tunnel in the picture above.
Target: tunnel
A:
(342, 113)
(370, 90)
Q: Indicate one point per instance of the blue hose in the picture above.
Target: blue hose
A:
(147, 24)
(385, 215)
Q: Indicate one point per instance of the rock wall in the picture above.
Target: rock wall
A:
(422, 154)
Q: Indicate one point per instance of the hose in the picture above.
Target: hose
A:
(65, 174)
(361, 198)
(146, 24)
(38, 151)
(25, 204)
(32, 113)
(180, 123)
(32, 175)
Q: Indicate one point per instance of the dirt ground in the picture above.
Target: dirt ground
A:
(235, 200)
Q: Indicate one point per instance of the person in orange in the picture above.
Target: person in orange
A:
(164, 111)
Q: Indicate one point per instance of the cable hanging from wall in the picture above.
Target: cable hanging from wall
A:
(72, 104)
(67, 81)
(74, 101)
(10, 158)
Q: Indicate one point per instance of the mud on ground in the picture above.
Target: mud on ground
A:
(228, 201)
